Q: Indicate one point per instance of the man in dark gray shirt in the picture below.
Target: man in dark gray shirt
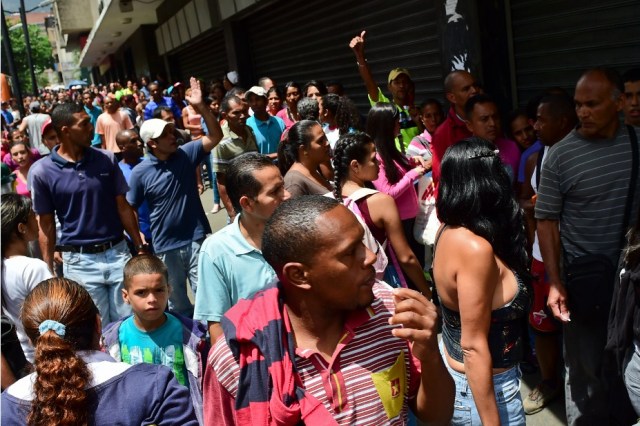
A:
(580, 210)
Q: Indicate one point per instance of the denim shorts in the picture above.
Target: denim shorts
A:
(507, 389)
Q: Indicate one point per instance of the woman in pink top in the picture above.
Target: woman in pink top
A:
(397, 173)
(290, 114)
(274, 101)
(191, 120)
(23, 158)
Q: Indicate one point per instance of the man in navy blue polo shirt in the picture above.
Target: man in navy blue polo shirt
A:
(266, 128)
(85, 188)
(167, 181)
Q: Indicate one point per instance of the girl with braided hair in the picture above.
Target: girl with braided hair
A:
(76, 384)
(356, 166)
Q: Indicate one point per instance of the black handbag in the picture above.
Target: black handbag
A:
(589, 279)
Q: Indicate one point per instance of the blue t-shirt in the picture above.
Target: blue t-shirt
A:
(229, 269)
(537, 146)
(143, 211)
(82, 195)
(94, 113)
(152, 105)
(268, 133)
(162, 346)
(170, 188)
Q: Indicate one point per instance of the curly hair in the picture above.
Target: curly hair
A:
(344, 110)
(61, 397)
(288, 150)
(381, 122)
(475, 193)
(352, 146)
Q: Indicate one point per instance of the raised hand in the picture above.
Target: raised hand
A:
(196, 92)
(357, 45)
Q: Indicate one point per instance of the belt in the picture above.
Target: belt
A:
(91, 248)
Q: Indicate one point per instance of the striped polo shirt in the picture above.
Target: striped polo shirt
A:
(231, 146)
(584, 185)
(370, 378)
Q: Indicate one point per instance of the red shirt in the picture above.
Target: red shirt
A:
(451, 131)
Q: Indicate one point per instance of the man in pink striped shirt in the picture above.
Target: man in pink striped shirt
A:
(328, 344)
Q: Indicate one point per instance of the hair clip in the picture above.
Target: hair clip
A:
(57, 327)
(493, 153)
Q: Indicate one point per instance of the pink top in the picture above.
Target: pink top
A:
(403, 191)
(194, 120)
(21, 186)
(108, 125)
(284, 114)
(510, 155)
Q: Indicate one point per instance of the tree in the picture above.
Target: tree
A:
(40, 55)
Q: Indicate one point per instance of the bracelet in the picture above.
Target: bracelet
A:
(362, 65)
(142, 247)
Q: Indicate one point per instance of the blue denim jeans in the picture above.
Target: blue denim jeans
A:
(506, 386)
(632, 379)
(182, 263)
(101, 275)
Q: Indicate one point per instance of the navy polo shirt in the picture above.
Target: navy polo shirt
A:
(82, 195)
(267, 133)
(170, 189)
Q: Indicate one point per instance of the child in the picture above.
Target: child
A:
(153, 335)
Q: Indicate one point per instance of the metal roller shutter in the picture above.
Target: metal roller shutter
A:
(302, 40)
(204, 57)
(554, 42)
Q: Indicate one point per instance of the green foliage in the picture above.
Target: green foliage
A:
(40, 55)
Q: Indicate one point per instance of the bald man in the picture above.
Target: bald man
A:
(110, 122)
(580, 210)
(459, 86)
(130, 146)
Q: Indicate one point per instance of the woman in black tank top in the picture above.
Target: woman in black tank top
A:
(481, 274)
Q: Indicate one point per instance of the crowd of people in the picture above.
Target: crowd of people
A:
(351, 243)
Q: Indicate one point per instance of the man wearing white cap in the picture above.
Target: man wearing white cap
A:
(167, 182)
(266, 128)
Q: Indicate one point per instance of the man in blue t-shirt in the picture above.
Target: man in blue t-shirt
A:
(266, 128)
(167, 182)
(94, 112)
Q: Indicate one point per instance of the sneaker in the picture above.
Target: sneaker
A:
(540, 397)
(215, 209)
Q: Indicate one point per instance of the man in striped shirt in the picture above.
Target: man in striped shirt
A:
(580, 210)
(331, 345)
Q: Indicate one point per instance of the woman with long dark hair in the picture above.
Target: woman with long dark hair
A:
(76, 384)
(397, 173)
(300, 156)
(481, 274)
(20, 272)
(356, 166)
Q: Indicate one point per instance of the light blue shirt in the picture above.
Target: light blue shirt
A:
(267, 133)
(229, 269)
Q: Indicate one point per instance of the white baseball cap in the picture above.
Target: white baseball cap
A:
(152, 129)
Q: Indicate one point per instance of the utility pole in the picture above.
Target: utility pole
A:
(27, 43)
(6, 45)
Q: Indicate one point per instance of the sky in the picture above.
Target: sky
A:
(13, 5)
